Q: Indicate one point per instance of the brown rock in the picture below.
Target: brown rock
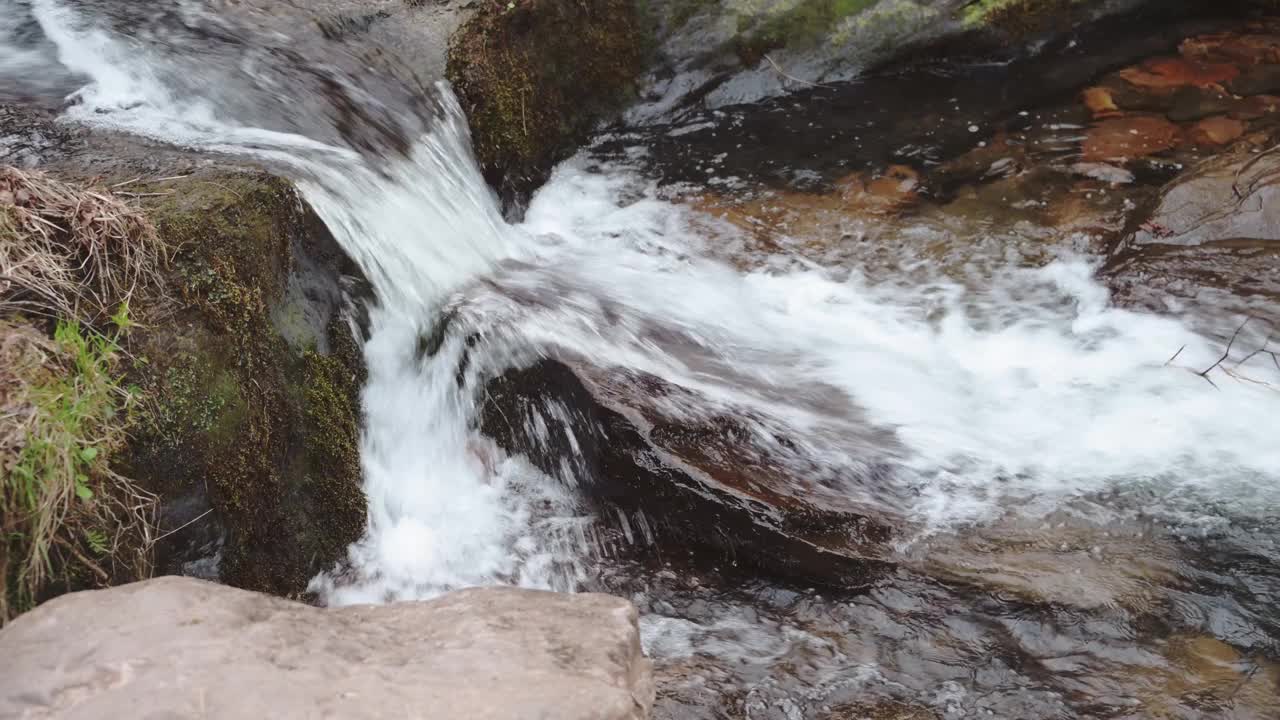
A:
(1257, 80)
(1256, 107)
(897, 185)
(709, 483)
(183, 648)
(1251, 49)
(1218, 130)
(1100, 102)
(1189, 104)
(881, 710)
(820, 219)
(1174, 72)
(1129, 137)
(1068, 562)
(1224, 199)
(1216, 229)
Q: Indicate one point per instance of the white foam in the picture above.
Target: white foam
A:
(1023, 391)
(1034, 387)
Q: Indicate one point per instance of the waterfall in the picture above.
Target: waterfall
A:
(1016, 393)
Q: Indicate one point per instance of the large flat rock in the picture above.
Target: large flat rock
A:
(182, 648)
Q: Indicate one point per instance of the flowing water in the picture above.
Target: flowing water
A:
(1087, 530)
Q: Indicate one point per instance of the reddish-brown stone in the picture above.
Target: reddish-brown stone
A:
(1125, 138)
(1217, 130)
(1174, 72)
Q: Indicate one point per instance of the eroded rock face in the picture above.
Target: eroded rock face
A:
(253, 382)
(710, 487)
(183, 648)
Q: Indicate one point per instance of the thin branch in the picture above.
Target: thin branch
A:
(1262, 351)
(192, 521)
(793, 78)
(1235, 183)
(84, 560)
(1225, 353)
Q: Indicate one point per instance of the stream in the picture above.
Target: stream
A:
(1068, 523)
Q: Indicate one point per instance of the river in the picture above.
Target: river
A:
(1080, 528)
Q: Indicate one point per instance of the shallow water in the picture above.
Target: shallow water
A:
(1081, 529)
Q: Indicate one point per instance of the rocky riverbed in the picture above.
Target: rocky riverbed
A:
(895, 360)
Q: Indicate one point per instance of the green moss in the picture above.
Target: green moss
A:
(67, 520)
(799, 25)
(270, 430)
(1020, 17)
(535, 78)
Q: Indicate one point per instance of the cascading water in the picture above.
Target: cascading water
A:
(1019, 394)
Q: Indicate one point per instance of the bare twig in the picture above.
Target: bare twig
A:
(192, 521)
(788, 76)
(1275, 358)
(1225, 353)
(1235, 184)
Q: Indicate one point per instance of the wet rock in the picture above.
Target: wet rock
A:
(722, 53)
(535, 77)
(1232, 47)
(1174, 72)
(682, 478)
(895, 186)
(1191, 104)
(1125, 138)
(1100, 102)
(1218, 130)
(1258, 106)
(252, 375)
(1058, 560)
(183, 648)
(1233, 197)
(1213, 237)
(1260, 80)
(1201, 670)
(883, 710)
(413, 30)
(1104, 172)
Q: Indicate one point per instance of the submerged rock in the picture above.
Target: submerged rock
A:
(680, 478)
(1130, 137)
(183, 648)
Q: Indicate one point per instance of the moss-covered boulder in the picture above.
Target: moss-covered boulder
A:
(536, 76)
(252, 376)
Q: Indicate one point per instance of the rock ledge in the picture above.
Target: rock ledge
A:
(183, 648)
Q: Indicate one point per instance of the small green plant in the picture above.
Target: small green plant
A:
(67, 515)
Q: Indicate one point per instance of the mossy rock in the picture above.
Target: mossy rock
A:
(536, 76)
(803, 24)
(1018, 18)
(250, 413)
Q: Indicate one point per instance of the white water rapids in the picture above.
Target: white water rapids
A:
(1020, 393)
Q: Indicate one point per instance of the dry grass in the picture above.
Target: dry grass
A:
(70, 252)
(65, 516)
(70, 260)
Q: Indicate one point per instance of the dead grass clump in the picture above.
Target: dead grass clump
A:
(70, 252)
(67, 520)
(72, 258)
